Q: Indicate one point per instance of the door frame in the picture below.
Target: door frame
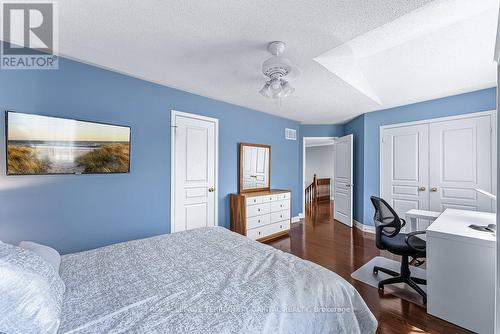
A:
(493, 153)
(173, 115)
(304, 169)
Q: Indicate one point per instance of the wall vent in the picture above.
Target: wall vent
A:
(290, 134)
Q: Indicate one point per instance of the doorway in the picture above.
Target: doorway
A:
(318, 169)
(327, 176)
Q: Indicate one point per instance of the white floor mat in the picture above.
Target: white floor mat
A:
(365, 275)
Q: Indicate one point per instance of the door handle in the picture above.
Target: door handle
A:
(421, 189)
(211, 190)
(434, 189)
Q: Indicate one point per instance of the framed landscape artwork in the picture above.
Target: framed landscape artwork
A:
(39, 145)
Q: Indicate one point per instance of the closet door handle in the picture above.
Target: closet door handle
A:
(421, 189)
(434, 189)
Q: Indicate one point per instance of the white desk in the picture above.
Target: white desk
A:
(413, 215)
(461, 270)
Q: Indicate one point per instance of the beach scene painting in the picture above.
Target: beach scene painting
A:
(48, 145)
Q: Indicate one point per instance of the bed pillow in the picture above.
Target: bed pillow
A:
(31, 292)
(47, 253)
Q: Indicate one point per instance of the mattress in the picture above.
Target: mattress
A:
(207, 280)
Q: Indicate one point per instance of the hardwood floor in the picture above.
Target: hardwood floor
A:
(341, 249)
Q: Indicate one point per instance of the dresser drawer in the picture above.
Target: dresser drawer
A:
(254, 200)
(259, 200)
(283, 196)
(258, 221)
(280, 205)
(273, 198)
(280, 216)
(258, 209)
(264, 231)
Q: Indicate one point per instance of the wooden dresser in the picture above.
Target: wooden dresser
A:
(262, 215)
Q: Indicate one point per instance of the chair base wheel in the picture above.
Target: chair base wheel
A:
(406, 280)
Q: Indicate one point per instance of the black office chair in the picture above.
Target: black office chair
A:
(387, 227)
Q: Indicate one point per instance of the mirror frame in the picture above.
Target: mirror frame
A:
(240, 188)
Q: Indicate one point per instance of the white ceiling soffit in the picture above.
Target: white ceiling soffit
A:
(440, 49)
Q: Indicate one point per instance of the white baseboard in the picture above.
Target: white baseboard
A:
(296, 219)
(363, 227)
(301, 215)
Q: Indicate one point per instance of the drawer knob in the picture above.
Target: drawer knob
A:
(281, 205)
(259, 220)
(258, 210)
(281, 216)
(281, 226)
(259, 232)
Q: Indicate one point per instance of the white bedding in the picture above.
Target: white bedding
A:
(208, 280)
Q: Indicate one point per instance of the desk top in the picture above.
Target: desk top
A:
(454, 224)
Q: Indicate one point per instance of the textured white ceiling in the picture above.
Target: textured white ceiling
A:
(216, 48)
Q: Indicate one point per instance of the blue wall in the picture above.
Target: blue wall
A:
(73, 213)
(321, 130)
(481, 100)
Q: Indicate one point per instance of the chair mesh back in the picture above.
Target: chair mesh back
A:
(385, 215)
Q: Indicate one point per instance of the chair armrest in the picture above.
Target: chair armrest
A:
(410, 236)
(380, 226)
(403, 222)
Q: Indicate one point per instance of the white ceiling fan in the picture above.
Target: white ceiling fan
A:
(278, 71)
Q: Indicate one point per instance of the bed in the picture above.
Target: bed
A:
(207, 280)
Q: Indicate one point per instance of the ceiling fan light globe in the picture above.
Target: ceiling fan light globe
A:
(277, 95)
(287, 88)
(275, 86)
(265, 91)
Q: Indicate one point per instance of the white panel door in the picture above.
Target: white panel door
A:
(342, 180)
(460, 160)
(194, 172)
(405, 169)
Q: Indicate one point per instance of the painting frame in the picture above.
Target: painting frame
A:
(6, 146)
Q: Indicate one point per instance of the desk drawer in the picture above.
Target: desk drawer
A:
(280, 205)
(258, 209)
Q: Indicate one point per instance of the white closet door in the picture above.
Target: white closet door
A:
(460, 160)
(405, 168)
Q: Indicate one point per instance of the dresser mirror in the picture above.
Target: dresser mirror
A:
(255, 167)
